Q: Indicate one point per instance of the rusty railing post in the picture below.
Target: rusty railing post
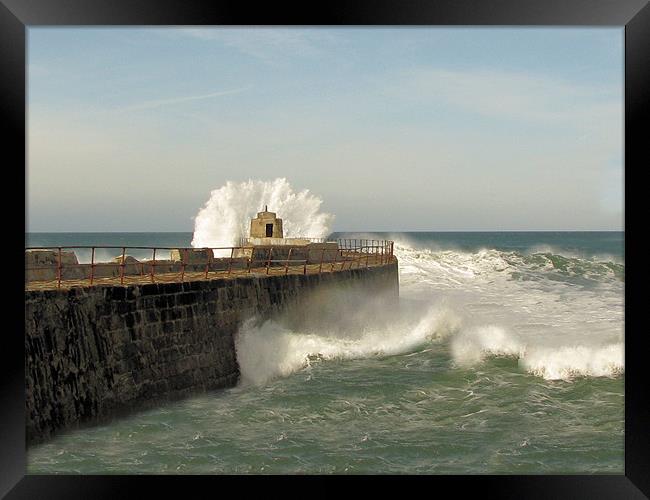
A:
(350, 254)
(232, 252)
(322, 254)
(92, 264)
(183, 259)
(58, 270)
(153, 266)
(286, 267)
(141, 269)
(207, 262)
(122, 266)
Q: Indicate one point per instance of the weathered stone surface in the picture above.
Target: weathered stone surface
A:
(91, 352)
(192, 256)
(43, 265)
(131, 265)
(290, 249)
(46, 264)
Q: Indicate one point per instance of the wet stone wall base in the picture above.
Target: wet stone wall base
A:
(93, 352)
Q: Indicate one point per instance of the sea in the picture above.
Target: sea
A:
(505, 356)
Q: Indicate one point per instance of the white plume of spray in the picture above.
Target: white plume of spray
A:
(225, 218)
(482, 284)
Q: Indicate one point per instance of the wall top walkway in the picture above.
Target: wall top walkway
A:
(49, 268)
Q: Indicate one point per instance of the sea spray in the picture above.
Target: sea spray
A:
(568, 362)
(473, 345)
(556, 406)
(482, 304)
(563, 362)
(269, 350)
(560, 316)
(225, 218)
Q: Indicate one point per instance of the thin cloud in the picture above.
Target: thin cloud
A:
(517, 96)
(272, 46)
(176, 100)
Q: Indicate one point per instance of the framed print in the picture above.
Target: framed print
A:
(369, 239)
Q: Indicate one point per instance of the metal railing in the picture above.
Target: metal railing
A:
(187, 263)
(246, 241)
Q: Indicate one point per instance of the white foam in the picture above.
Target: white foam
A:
(496, 303)
(226, 215)
(473, 345)
(564, 362)
(568, 362)
(270, 350)
(557, 329)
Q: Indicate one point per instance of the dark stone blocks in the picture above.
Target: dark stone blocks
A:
(96, 350)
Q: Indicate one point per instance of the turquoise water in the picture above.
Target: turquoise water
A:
(506, 356)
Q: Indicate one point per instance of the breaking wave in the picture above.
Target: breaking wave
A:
(560, 316)
(563, 362)
(559, 313)
(272, 350)
(226, 216)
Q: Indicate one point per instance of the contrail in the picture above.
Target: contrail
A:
(165, 102)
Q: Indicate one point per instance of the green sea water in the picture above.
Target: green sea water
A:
(505, 356)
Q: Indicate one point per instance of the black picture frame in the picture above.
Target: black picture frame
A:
(17, 15)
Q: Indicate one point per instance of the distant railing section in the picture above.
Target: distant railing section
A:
(49, 267)
(248, 241)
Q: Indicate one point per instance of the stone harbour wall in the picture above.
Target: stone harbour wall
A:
(94, 352)
(42, 265)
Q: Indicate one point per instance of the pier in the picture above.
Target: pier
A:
(115, 333)
(58, 267)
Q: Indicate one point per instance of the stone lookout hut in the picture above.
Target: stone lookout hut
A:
(266, 233)
(266, 225)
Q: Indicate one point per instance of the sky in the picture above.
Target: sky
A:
(396, 129)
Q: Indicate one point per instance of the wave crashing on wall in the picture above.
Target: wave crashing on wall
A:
(225, 218)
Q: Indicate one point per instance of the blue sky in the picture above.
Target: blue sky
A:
(130, 129)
